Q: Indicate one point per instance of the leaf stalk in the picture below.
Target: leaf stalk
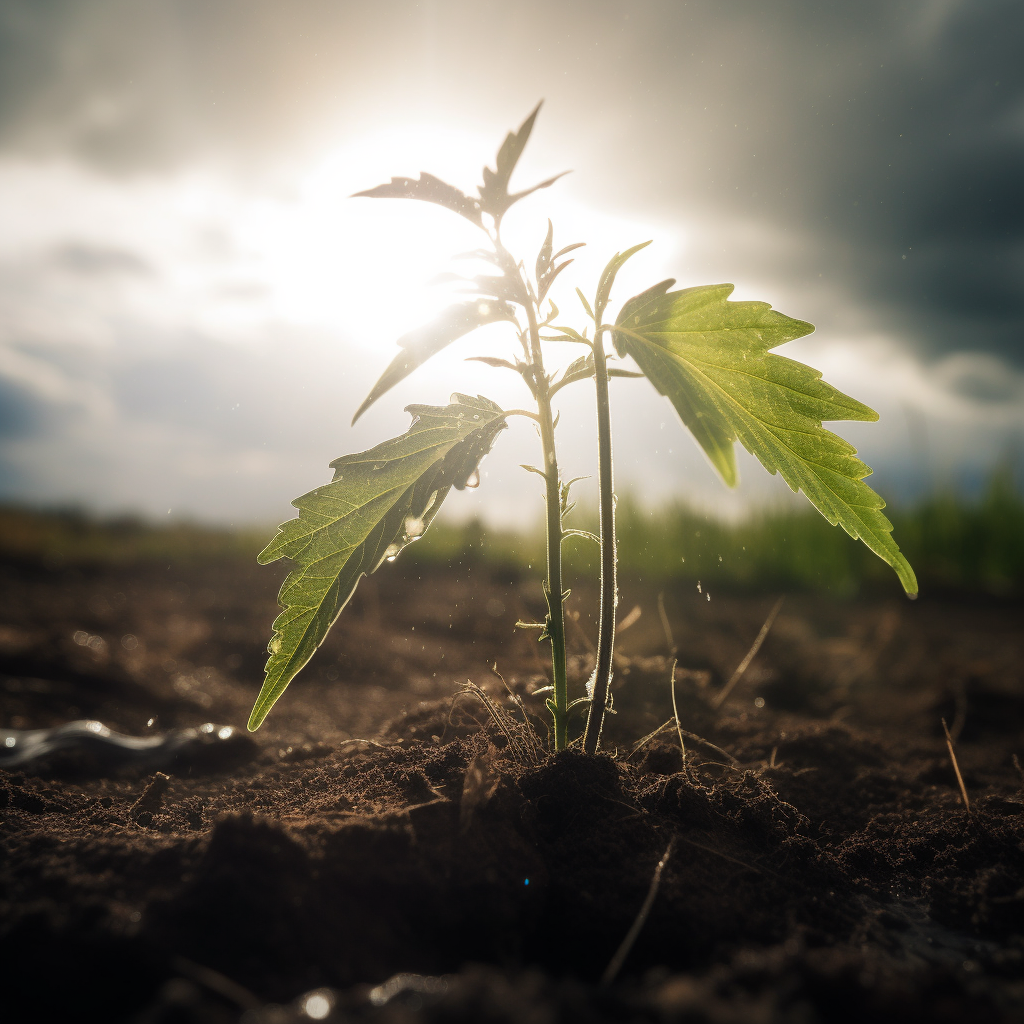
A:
(609, 582)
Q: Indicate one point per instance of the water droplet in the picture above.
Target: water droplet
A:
(759, 702)
(699, 591)
(318, 1004)
(414, 528)
(473, 481)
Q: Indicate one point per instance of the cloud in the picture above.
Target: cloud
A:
(188, 315)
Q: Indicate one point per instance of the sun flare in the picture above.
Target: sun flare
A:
(365, 268)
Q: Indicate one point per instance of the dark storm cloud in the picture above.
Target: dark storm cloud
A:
(884, 138)
(21, 413)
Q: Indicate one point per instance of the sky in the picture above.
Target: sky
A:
(192, 307)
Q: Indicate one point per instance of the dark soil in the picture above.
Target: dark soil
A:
(387, 851)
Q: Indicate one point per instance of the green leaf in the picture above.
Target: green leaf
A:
(378, 502)
(583, 369)
(430, 190)
(568, 249)
(586, 534)
(607, 279)
(502, 364)
(494, 194)
(711, 358)
(419, 345)
(549, 279)
(568, 334)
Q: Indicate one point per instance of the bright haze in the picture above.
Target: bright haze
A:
(191, 307)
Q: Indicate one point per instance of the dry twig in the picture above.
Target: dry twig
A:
(956, 767)
(616, 962)
(745, 663)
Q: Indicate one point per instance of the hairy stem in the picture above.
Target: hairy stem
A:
(553, 592)
(609, 593)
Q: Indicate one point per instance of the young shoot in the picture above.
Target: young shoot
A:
(711, 358)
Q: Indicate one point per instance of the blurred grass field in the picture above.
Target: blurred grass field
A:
(956, 544)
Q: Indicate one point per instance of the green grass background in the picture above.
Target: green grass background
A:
(954, 543)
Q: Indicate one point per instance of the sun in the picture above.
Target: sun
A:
(365, 267)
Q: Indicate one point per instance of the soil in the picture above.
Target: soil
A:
(388, 849)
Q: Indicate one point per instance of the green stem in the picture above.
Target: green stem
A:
(553, 510)
(609, 595)
(553, 592)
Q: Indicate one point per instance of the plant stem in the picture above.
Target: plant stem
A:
(553, 588)
(609, 591)
(553, 592)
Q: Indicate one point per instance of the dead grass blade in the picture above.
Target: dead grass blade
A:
(616, 962)
(508, 725)
(628, 621)
(675, 711)
(666, 626)
(530, 737)
(745, 663)
(956, 767)
(692, 736)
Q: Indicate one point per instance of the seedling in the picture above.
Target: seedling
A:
(710, 357)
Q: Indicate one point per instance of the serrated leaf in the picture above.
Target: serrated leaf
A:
(378, 502)
(430, 190)
(419, 345)
(711, 358)
(494, 195)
